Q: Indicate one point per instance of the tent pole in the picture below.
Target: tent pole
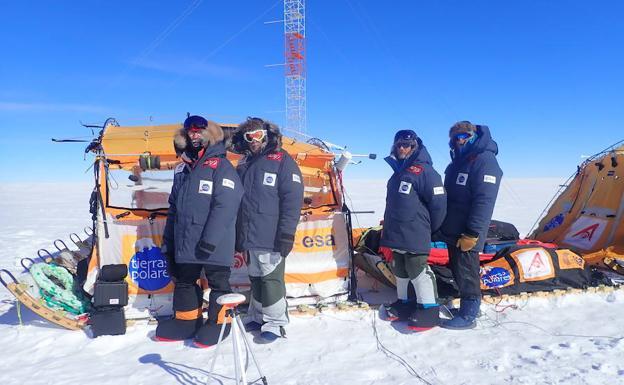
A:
(352, 275)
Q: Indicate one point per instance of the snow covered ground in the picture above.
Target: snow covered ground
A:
(576, 339)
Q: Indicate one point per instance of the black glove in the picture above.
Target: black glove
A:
(204, 250)
(238, 247)
(168, 252)
(284, 244)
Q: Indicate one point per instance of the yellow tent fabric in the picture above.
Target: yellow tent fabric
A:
(589, 214)
(133, 207)
(127, 143)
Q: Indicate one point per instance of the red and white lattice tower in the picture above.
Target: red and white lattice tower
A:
(294, 53)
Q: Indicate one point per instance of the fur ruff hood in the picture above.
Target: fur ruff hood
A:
(274, 136)
(211, 135)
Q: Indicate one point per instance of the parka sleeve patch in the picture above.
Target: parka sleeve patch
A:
(228, 183)
(439, 190)
(296, 178)
(205, 187)
(489, 179)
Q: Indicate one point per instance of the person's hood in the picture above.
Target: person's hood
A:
(211, 135)
(483, 143)
(419, 156)
(274, 140)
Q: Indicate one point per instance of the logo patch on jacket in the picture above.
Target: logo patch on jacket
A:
(276, 156)
(405, 187)
(228, 183)
(462, 178)
(213, 163)
(438, 190)
(415, 169)
(296, 178)
(205, 187)
(269, 179)
(489, 179)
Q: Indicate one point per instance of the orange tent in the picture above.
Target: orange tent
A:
(133, 175)
(588, 215)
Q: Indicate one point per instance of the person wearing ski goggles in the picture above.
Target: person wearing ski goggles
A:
(415, 208)
(267, 221)
(471, 181)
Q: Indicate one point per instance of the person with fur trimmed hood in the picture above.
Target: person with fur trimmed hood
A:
(472, 180)
(415, 208)
(267, 221)
(200, 231)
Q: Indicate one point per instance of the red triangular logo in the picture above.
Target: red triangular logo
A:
(537, 262)
(588, 232)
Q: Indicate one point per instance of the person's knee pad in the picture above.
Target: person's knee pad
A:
(425, 286)
(273, 288)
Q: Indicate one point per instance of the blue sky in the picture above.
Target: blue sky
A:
(546, 76)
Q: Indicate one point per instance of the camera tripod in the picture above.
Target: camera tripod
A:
(239, 338)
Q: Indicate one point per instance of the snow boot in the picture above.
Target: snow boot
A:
(252, 326)
(266, 337)
(453, 311)
(399, 310)
(425, 317)
(466, 317)
(208, 334)
(187, 305)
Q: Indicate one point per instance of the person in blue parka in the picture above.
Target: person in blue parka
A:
(200, 231)
(267, 221)
(415, 208)
(472, 180)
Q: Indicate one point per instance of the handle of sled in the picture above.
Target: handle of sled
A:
(23, 263)
(47, 259)
(73, 237)
(9, 274)
(90, 232)
(62, 242)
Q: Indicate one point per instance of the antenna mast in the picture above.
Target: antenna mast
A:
(295, 65)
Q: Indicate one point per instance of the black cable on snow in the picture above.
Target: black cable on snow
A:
(394, 356)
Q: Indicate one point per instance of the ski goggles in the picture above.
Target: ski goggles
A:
(255, 135)
(195, 129)
(463, 136)
(404, 144)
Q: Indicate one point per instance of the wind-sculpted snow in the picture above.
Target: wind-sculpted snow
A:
(566, 339)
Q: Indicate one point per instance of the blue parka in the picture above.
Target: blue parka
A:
(271, 206)
(415, 203)
(472, 180)
(204, 201)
